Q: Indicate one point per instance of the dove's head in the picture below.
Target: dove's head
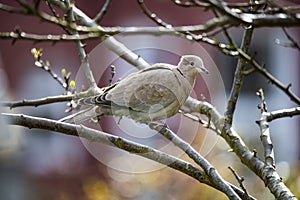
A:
(191, 66)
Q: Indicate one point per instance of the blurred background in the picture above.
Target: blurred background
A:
(36, 164)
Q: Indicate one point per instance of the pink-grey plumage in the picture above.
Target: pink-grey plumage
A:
(151, 94)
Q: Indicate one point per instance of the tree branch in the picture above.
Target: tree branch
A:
(111, 43)
(224, 9)
(294, 43)
(267, 173)
(188, 35)
(289, 112)
(238, 78)
(102, 12)
(38, 102)
(117, 142)
(265, 136)
(211, 172)
(12, 9)
(48, 100)
(82, 54)
(270, 77)
(239, 179)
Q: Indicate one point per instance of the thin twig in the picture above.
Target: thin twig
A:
(47, 100)
(152, 15)
(82, 54)
(286, 9)
(238, 78)
(55, 14)
(239, 179)
(204, 123)
(38, 102)
(188, 35)
(289, 112)
(223, 8)
(48, 38)
(265, 136)
(270, 77)
(238, 75)
(211, 172)
(294, 43)
(112, 44)
(102, 12)
(185, 4)
(229, 4)
(47, 67)
(225, 30)
(12, 9)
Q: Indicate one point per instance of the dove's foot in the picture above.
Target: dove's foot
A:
(158, 126)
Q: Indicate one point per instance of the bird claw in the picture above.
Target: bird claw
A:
(158, 126)
(95, 120)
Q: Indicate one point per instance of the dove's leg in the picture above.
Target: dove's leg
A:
(82, 115)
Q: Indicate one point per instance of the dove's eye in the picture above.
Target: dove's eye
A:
(192, 64)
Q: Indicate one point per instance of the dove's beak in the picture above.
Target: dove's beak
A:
(204, 70)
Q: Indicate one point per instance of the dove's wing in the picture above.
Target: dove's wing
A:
(149, 90)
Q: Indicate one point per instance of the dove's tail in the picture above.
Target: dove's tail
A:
(82, 115)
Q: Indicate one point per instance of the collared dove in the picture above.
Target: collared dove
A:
(151, 94)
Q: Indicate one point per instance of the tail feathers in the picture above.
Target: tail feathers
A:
(95, 100)
(82, 115)
(99, 99)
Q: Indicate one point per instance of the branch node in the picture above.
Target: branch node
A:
(240, 179)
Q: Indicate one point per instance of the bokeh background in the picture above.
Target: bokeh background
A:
(37, 164)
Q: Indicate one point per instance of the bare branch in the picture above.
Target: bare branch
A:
(56, 15)
(280, 19)
(294, 43)
(200, 121)
(239, 179)
(266, 172)
(47, 100)
(12, 9)
(211, 172)
(289, 112)
(238, 78)
(224, 9)
(270, 77)
(193, 3)
(48, 38)
(38, 102)
(265, 136)
(187, 3)
(286, 9)
(102, 12)
(152, 15)
(256, 20)
(109, 41)
(82, 54)
(188, 35)
(109, 139)
(117, 142)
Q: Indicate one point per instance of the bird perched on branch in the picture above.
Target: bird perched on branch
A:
(151, 94)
